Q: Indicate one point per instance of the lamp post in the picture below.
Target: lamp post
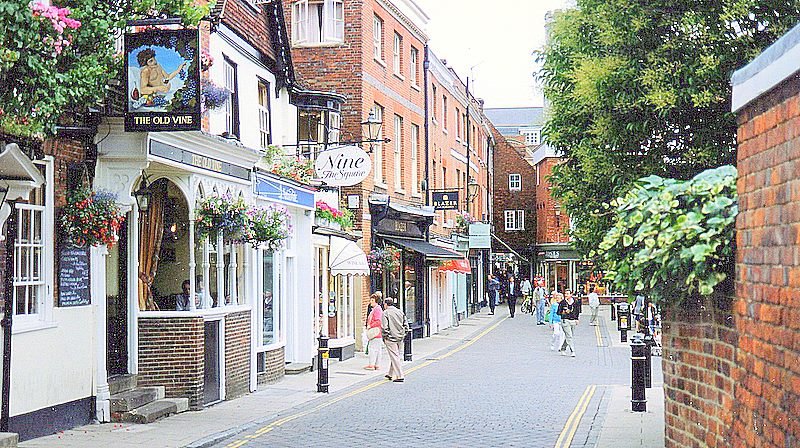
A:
(143, 194)
(371, 128)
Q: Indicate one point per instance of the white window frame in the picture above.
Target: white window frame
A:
(412, 69)
(43, 316)
(514, 182)
(278, 336)
(332, 25)
(334, 127)
(230, 86)
(514, 220)
(444, 113)
(398, 152)
(377, 38)
(398, 50)
(377, 147)
(532, 137)
(458, 124)
(414, 159)
(264, 114)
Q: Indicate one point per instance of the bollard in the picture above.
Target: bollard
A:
(407, 346)
(638, 400)
(648, 362)
(322, 364)
(623, 320)
(613, 309)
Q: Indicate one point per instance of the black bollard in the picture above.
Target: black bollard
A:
(407, 346)
(638, 400)
(322, 364)
(648, 362)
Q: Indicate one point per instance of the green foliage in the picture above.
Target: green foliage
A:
(297, 168)
(39, 81)
(641, 87)
(673, 238)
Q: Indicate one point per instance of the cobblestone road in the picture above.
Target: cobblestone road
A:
(504, 389)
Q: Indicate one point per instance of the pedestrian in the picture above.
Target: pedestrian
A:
(514, 292)
(503, 278)
(568, 309)
(555, 320)
(394, 327)
(540, 296)
(638, 309)
(594, 305)
(494, 290)
(374, 332)
(527, 291)
(182, 299)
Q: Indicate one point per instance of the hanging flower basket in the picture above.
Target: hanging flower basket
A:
(463, 220)
(213, 96)
(384, 259)
(342, 218)
(91, 218)
(225, 214)
(268, 227)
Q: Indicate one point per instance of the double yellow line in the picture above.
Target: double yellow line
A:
(265, 429)
(598, 335)
(567, 434)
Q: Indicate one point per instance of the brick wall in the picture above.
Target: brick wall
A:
(171, 355)
(237, 354)
(274, 366)
(732, 374)
(552, 223)
(508, 159)
(249, 23)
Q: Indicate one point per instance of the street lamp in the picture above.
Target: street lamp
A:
(143, 194)
(372, 127)
(473, 188)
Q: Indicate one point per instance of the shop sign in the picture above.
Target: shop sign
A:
(278, 191)
(162, 72)
(552, 254)
(480, 236)
(397, 227)
(343, 166)
(189, 158)
(445, 199)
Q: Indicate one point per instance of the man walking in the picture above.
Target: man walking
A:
(494, 288)
(539, 297)
(394, 327)
(568, 309)
(527, 289)
(513, 294)
(594, 305)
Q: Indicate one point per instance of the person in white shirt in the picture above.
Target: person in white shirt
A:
(594, 305)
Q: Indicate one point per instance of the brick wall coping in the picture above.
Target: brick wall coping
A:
(778, 62)
(205, 313)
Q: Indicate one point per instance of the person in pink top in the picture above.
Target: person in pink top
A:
(375, 341)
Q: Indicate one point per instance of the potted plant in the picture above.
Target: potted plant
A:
(222, 213)
(213, 96)
(328, 216)
(386, 258)
(268, 227)
(463, 220)
(91, 218)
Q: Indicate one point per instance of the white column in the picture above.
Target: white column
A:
(192, 265)
(133, 291)
(205, 301)
(220, 270)
(98, 288)
(232, 276)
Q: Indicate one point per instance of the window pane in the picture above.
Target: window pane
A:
(268, 333)
(20, 293)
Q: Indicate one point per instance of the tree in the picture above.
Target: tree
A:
(642, 87)
(55, 59)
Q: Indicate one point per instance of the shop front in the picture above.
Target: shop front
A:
(174, 296)
(404, 227)
(558, 265)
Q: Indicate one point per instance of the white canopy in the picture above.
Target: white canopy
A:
(346, 258)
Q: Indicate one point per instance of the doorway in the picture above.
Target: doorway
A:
(117, 305)
(211, 372)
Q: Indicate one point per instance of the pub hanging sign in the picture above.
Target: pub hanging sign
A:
(163, 81)
(444, 199)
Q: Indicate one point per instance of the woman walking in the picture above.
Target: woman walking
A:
(374, 339)
(569, 310)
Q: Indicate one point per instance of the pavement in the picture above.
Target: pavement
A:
(448, 375)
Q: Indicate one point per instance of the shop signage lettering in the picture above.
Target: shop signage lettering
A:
(73, 277)
(185, 157)
(162, 70)
(399, 227)
(445, 199)
(480, 236)
(552, 254)
(276, 190)
(343, 166)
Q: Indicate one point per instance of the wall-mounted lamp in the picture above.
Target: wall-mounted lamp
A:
(372, 126)
(473, 188)
(143, 194)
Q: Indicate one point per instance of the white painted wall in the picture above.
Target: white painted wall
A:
(53, 365)
(225, 43)
(300, 342)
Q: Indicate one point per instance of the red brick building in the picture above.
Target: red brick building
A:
(732, 369)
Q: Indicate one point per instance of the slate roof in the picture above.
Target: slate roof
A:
(506, 118)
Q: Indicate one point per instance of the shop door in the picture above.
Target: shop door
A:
(433, 294)
(211, 372)
(117, 306)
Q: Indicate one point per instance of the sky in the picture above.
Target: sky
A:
(491, 42)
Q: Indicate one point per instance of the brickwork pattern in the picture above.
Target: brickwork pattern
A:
(274, 366)
(250, 23)
(552, 223)
(171, 355)
(237, 354)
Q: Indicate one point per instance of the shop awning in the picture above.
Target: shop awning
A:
(460, 266)
(425, 248)
(346, 258)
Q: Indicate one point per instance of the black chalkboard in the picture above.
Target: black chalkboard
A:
(73, 277)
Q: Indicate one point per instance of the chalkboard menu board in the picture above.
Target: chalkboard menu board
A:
(73, 277)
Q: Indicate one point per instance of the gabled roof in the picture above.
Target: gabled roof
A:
(515, 117)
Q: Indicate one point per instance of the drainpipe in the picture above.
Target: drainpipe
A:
(8, 314)
(466, 187)
(426, 65)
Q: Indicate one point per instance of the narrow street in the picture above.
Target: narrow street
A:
(503, 387)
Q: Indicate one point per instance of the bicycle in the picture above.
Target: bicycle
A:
(527, 306)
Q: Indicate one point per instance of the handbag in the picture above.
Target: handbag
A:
(373, 332)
